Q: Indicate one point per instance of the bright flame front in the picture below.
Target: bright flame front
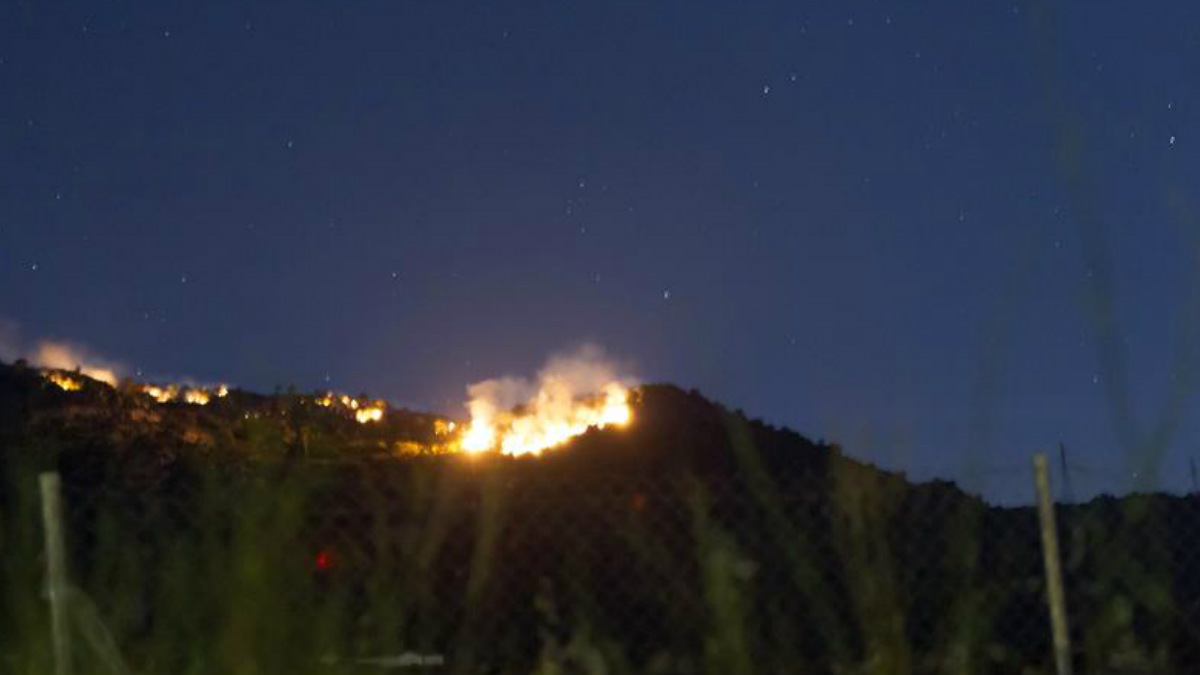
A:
(64, 382)
(369, 414)
(171, 392)
(196, 397)
(160, 394)
(62, 356)
(553, 417)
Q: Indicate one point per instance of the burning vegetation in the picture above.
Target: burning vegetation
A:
(192, 395)
(64, 381)
(511, 416)
(572, 393)
(373, 413)
(364, 411)
(553, 417)
(63, 356)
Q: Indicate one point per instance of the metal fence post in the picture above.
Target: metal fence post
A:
(56, 570)
(1055, 596)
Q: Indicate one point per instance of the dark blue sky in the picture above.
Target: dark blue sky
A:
(853, 218)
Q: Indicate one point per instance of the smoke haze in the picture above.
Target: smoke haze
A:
(57, 354)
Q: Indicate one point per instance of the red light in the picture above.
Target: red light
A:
(638, 501)
(324, 560)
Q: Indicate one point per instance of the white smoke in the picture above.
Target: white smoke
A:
(580, 373)
(57, 354)
(491, 397)
(534, 412)
(66, 356)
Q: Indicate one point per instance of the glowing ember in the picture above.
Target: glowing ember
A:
(160, 394)
(66, 357)
(372, 413)
(196, 396)
(364, 411)
(222, 391)
(64, 382)
(573, 393)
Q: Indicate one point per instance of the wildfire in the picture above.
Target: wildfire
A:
(196, 396)
(512, 416)
(64, 382)
(160, 394)
(67, 357)
(573, 393)
(372, 413)
(552, 418)
(364, 412)
(171, 392)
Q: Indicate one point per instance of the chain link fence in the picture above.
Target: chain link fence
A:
(524, 566)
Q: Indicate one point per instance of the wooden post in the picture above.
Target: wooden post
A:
(56, 570)
(1055, 596)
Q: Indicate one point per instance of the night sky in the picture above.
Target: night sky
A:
(899, 225)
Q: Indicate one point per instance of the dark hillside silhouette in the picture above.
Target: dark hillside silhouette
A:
(692, 524)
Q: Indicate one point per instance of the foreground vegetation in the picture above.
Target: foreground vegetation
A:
(264, 535)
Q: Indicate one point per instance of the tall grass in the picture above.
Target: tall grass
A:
(503, 566)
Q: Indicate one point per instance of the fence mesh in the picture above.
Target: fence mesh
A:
(518, 567)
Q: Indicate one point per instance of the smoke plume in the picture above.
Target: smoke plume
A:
(58, 355)
(572, 392)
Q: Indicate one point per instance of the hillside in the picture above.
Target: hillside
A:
(129, 425)
(643, 546)
(673, 430)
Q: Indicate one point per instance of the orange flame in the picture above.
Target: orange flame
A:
(66, 357)
(573, 393)
(160, 394)
(371, 413)
(192, 395)
(64, 382)
(553, 418)
(196, 396)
